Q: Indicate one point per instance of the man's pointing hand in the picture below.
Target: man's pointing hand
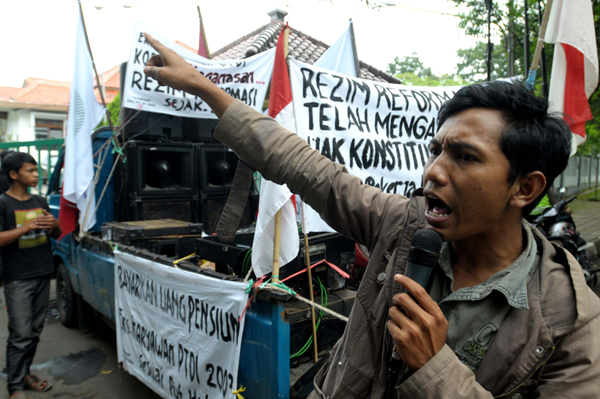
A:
(169, 69)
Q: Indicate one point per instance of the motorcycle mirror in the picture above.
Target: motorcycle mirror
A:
(562, 190)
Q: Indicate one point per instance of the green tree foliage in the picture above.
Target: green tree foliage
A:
(409, 64)
(113, 108)
(411, 71)
(508, 20)
(472, 66)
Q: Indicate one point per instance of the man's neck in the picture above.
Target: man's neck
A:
(18, 191)
(478, 258)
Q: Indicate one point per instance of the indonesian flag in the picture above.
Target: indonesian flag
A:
(274, 197)
(575, 64)
(84, 114)
(202, 45)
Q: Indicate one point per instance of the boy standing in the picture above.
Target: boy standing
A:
(25, 224)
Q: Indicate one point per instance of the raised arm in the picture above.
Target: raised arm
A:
(346, 204)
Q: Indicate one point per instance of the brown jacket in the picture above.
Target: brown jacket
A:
(548, 351)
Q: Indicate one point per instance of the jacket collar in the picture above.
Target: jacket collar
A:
(559, 302)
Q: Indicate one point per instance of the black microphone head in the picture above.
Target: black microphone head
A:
(425, 247)
(427, 241)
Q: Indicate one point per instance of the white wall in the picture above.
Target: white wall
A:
(21, 123)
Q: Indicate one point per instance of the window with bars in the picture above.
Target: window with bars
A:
(48, 129)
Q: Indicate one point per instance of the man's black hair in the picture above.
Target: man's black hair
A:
(4, 153)
(533, 139)
(14, 161)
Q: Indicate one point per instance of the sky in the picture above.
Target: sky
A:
(37, 37)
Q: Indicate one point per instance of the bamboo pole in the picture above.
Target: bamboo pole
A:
(87, 40)
(541, 38)
(97, 173)
(276, 248)
(310, 284)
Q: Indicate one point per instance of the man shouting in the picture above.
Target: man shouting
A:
(508, 313)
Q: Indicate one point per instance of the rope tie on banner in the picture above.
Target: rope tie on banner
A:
(113, 246)
(241, 389)
(117, 149)
(260, 284)
(175, 262)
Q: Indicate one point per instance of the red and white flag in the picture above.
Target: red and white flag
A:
(575, 64)
(202, 44)
(274, 197)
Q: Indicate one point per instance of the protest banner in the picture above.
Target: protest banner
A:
(246, 80)
(179, 333)
(379, 131)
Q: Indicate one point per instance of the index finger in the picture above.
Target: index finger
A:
(418, 293)
(158, 46)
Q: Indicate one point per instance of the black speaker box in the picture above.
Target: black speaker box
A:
(159, 170)
(211, 208)
(215, 165)
(136, 208)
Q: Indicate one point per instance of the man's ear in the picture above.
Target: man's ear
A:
(13, 174)
(528, 188)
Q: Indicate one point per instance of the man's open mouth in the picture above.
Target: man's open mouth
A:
(436, 208)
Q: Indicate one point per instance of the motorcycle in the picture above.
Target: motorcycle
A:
(557, 225)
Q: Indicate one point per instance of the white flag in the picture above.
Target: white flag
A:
(84, 114)
(340, 58)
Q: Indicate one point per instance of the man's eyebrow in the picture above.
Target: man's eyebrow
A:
(462, 145)
(435, 143)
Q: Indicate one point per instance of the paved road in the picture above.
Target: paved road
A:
(79, 364)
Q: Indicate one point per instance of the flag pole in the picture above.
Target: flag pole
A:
(540, 43)
(310, 284)
(87, 40)
(539, 47)
(110, 124)
(356, 61)
(277, 238)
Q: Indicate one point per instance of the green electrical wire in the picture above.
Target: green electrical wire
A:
(308, 343)
(246, 262)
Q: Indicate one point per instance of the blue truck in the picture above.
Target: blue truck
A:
(85, 283)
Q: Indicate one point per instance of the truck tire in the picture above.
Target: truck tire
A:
(66, 298)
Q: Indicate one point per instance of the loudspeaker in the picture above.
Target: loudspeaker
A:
(216, 166)
(199, 130)
(136, 208)
(211, 208)
(159, 170)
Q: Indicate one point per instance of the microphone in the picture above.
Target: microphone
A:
(423, 254)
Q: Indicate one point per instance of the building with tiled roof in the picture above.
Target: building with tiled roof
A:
(302, 47)
(38, 109)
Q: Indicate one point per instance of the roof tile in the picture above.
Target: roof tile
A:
(302, 47)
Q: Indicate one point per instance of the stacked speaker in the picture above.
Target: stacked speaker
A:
(182, 181)
(174, 170)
